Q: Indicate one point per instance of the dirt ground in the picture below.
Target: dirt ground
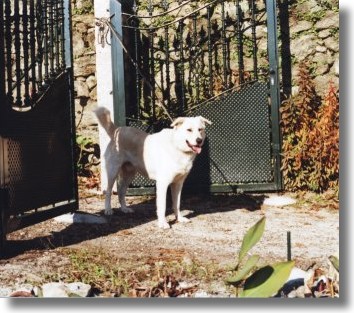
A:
(213, 236)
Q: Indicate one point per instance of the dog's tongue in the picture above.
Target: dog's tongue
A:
(196, 149)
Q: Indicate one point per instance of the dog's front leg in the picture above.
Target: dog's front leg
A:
(176, 190)
(161, 191)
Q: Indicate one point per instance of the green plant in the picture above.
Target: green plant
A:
(85, 8)
(88, 154)
(256, 282)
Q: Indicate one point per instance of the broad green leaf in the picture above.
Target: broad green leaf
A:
(244, 271)
(251, 238)
(265, 282)
(335, 262)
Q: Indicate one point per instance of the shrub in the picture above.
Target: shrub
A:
(310, 128)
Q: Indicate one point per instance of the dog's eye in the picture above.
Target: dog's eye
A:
(201, 130)
(189, 130)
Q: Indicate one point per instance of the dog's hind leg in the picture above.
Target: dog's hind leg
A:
(126, 176)
(176, 190)
(112, 172)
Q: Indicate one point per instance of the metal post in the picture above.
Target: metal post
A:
(118, 65)
(70, 71)
(67, 34)
(274, 87)
(288, 243)
(2, 57)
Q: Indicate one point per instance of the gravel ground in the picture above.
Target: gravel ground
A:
(214, 234)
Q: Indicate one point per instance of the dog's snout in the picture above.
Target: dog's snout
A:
(199, 141)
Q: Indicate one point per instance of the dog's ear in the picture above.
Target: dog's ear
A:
(204, 120)
(177, 122)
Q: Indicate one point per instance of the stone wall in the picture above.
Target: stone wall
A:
(314, 37)
(84, 46)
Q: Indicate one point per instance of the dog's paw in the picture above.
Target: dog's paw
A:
(108, 212)
(127, 210)
(182, 219)
(163, 225)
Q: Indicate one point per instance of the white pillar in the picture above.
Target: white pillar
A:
(104, 81)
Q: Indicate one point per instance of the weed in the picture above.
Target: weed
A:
(109, 275)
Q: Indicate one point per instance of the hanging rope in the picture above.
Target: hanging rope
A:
(104, 26)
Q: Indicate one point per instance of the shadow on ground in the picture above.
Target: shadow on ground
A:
(145, 212)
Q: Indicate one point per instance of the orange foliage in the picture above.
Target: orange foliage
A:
(310, 130)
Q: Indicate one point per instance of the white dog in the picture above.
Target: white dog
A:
(166, 157)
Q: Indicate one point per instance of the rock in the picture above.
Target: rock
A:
(54, 290)
(321, 49)
(332, 44)
(91, 82)
(322, 83)
(300, 26)
(5, 291)
(309, 6)
(81, 28)
(85, 66)
(323, 62)
(201, 294)
(79, 289)
(80, 218)
(331, 20)
(82, 89)
(297, 46)
(78, 45)
(324, 34)
(83, 4)
(62, 290)
(93, 94)
(279, 201)
(91, 39)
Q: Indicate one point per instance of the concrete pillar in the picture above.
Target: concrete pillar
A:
(104, 81)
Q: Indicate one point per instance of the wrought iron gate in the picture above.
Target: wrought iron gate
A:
(37, 134)
(217, 59)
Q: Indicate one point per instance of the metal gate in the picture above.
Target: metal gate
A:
(217, 59)
(37, 135)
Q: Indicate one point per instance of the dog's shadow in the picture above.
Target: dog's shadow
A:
(144, 212)
(202, 205)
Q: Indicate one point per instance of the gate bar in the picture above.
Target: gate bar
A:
(118, 65)
(274, 88)
(68, 62)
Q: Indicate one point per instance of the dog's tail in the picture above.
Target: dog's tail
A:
(104, 118)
